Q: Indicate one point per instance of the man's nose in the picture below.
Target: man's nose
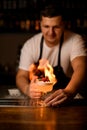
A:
(51, 30)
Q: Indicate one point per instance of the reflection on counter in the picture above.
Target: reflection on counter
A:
(14, 97)
(22, 102)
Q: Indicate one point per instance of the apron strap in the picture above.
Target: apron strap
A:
(41, 48)
(59, 54)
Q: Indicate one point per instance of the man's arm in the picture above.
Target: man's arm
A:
(77, 81)
(29, 88)
(22, 80)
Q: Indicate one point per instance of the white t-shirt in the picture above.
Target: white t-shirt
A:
(72, 47)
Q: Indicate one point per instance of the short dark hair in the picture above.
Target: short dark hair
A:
(52, 10)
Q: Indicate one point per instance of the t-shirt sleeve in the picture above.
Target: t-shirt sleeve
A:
(26, 58)
(78, 47)
(29, 52)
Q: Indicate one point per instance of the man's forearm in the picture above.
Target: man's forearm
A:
(22, 83)
(77, 81)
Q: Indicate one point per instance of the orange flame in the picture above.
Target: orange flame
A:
(49, 73)
(46, 67)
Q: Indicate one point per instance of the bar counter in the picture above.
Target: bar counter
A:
(18, 112)
(21, 114)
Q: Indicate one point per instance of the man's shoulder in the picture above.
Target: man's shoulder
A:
(36, 36)
(72, 35)
(34, 39)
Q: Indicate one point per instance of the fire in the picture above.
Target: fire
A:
(46, 78)
(32, 69)
(48, 70)
(49, 73)
(45, 67)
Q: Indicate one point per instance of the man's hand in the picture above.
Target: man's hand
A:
(33, 91)
(57, 98)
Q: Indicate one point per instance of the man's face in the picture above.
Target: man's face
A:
(52, 29)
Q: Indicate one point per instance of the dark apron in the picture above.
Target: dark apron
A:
(62, 79)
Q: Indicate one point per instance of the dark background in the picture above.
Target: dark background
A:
(14, 30)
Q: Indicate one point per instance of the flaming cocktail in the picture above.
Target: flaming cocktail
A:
(46, 81)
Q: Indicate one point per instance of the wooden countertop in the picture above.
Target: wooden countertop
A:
(27, 117)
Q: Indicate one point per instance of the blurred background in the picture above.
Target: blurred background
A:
(19, 20)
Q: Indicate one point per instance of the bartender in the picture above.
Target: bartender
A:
(65, 51)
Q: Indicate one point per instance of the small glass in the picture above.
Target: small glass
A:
(44, 87)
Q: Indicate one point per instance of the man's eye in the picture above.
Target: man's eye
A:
(46, 26)
(57, 27)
